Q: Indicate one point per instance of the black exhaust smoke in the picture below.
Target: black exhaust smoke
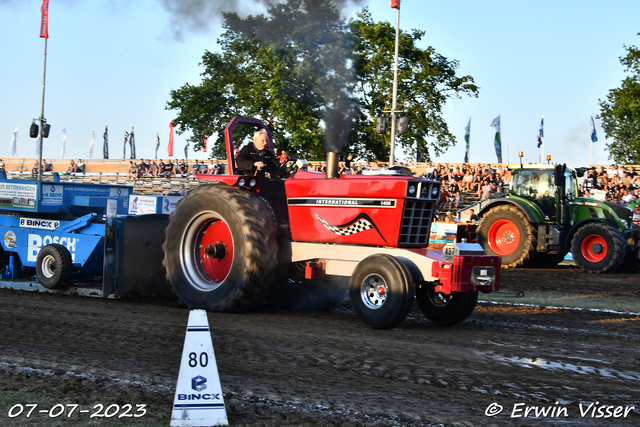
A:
(200, 16)
(334, 74)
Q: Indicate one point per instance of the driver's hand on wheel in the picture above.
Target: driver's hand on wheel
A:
(259, 165)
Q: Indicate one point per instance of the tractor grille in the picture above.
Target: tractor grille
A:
(416, 222)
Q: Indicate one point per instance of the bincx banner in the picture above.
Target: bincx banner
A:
(41, 224)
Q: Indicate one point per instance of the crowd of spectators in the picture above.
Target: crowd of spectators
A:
(620, 183)
(347, 167)
(44, 167)
(461, 183)
(167, 168)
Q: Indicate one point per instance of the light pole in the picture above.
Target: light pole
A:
(394, 102)
(42, 119)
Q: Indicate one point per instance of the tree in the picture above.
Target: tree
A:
(620, 112)
(319, 83)
(426, 81)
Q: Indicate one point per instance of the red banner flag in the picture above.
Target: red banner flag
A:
(395, 4)
(44, 24)
(170, 146)
(204, 147)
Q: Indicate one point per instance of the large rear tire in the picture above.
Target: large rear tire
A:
(54, 266)
(506, 231)
(443, 309)
(220, 250)
(381, 291)
(598, 247)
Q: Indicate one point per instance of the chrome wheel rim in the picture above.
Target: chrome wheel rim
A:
(374, 291)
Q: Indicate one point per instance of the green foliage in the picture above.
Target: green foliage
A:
(319, 82)
(620, 113)
(426, 80)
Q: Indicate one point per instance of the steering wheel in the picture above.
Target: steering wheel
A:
(288, 167)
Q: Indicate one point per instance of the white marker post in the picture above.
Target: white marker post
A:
(198, 400)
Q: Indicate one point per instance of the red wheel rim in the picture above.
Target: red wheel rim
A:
(594, 248)
(217, 234)
(503, 237)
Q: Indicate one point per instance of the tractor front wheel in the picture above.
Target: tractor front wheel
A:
(598, 248)
(220, 250)
(444, 309)
(381, 291)
(506, 231)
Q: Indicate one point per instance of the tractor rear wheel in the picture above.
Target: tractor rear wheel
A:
(53, 266)
(220, 250)
(598, 247)
(381, 291)
(443, 309)
(506, 231)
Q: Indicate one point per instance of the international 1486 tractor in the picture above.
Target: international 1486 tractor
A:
(542, 219)
(231, 240)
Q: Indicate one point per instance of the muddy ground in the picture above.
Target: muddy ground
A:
(280, 368)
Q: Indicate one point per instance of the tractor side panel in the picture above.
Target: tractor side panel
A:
(346, 210)
(584, 209)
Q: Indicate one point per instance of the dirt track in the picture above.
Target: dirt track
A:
(326, 368)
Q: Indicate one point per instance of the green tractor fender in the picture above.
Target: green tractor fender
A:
(530, 210)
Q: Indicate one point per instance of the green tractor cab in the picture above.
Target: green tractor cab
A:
(542, 218)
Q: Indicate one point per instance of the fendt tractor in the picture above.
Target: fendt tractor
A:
(227, 241)
(542, 218)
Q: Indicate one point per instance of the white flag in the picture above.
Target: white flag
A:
(13, 150)
(93, 140)
(38, 145)
(497, 142)
(64, 143)
(496, 124)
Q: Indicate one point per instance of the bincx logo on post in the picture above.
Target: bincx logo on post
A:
(199, 383)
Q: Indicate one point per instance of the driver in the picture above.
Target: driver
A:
(541, 185)
(255, 158)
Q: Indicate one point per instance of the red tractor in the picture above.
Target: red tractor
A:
(236, 240)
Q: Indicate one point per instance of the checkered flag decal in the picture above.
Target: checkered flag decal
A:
(361, 224)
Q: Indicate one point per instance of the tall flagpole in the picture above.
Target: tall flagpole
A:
(42, 120)
(394, 104)
(44, 33)
(594, 138)
(542, 158)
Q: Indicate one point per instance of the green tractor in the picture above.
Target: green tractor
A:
(542, 218)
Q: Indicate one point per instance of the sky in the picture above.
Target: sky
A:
(114, 62)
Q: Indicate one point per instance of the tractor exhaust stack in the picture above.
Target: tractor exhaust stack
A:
(332, 164)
